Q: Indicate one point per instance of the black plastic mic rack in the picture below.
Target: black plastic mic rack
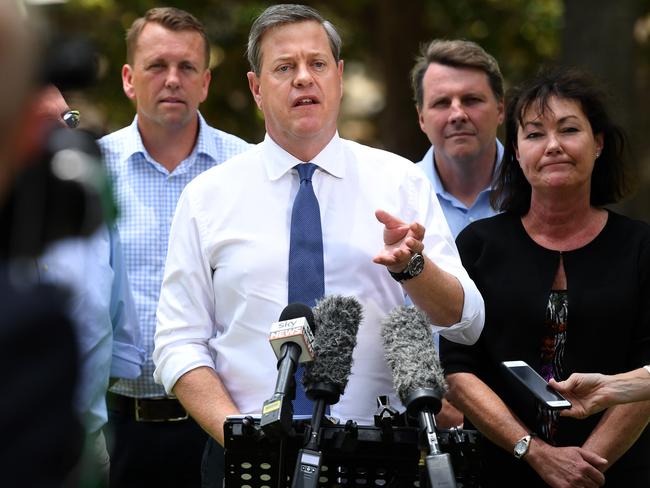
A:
(353, 455)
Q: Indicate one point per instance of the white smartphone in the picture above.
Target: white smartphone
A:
(536, 385)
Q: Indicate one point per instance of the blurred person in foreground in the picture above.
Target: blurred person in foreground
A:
(167, 75)
(458, 92)
(565, 283)
(102, 308)
(41, 435)
(229, 270)
(590, 393)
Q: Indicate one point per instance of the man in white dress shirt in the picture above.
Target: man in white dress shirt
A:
(227, 266)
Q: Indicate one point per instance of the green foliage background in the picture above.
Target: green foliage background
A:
(382, 38)
(523, 32)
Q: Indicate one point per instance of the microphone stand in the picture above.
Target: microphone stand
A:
(425, 403)
(308, 464)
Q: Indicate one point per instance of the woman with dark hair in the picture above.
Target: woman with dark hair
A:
(566, 285)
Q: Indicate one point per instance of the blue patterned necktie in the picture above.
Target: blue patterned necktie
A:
(306, 269)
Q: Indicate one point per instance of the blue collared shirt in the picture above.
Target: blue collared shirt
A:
(103, 312)
(146, 194)
(456, 212)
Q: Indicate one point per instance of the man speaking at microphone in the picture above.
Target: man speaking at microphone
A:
(293, 219)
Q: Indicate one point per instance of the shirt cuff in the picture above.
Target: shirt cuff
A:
(171, 365)
(469, 329)
(127, 361)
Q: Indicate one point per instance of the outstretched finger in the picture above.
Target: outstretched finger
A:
(389, 220)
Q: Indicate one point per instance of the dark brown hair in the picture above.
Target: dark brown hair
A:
(609, 179)
(457, 53)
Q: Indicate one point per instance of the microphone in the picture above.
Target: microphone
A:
(325, 379)
(337, 320)
(292, 341)
(419, 382)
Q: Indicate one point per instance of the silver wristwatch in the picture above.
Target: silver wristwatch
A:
(521, 446)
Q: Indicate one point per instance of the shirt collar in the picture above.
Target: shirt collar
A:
(204, 145)
(133, 144)
(431, 170)
(278, 161)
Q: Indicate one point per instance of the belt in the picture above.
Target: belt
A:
(161, 409)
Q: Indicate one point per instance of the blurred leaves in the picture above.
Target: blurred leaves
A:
(380, 36)
(520, 33)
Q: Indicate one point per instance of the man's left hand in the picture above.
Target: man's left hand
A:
(401, 241)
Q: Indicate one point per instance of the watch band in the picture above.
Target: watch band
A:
(413, 269)
(401, 276)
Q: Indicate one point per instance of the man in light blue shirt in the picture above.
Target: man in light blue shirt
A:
(167, 75)
(458, 90)
(102, 308)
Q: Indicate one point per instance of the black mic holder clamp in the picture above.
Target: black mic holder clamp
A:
(424, 398)
(328, 392)
(346, 440)
(250, 430)
(385, 417)
(351, 429)
(322, 394)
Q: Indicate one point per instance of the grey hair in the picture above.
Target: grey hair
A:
(282, 14)
(457, 53)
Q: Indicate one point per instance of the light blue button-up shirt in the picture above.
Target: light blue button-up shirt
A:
(146, 194)
(103, 312)
(456, 212)
(458, 215)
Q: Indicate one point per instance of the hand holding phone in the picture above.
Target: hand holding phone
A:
(537, 385)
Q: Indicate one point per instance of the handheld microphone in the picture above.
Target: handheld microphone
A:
(419, 382)
(292, 341)
(325, 379)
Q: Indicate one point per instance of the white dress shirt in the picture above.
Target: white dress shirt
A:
(226, 273)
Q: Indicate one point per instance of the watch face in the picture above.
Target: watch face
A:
(416, 265)
(520, 448)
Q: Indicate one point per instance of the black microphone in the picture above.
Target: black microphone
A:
(292, 340)
(419, 382)
(337, 323)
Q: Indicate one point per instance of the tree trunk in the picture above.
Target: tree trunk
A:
(399, 34)
(599, 36)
